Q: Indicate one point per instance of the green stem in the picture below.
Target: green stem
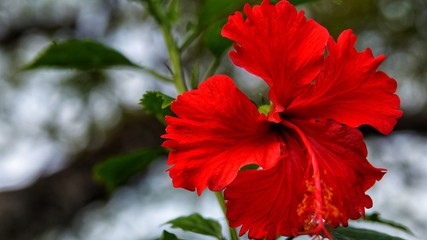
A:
(174, 54)
(189, 39)
(221, 202)
(194, 76)
(156, 74)
(178, 74)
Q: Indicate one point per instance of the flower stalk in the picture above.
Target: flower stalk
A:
(173, 51)
(220, 198)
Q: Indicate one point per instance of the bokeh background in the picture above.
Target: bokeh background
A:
(56, 124)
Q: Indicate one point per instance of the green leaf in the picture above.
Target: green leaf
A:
(195, 75)
(214, 41)
(218, 10)
(249, 167)
(173, 11)
(167, 236)
(157, 104)
(349, 233)
(81, 55)
(116, 171)
(212, 16)
(298, 2)
(197, 224)
(375, 217)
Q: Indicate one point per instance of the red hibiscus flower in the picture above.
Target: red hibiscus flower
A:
(313, 170)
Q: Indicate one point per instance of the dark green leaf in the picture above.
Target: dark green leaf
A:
(298, 2)
(375, 217)
(214, 41)
(168, 236)
(349, 233)
(81, 55)
(197, 224)
(212, 16)
(157, 104)
(218, 10)
(195, 74)
(173, 11)
(250, 167)
(117, 170)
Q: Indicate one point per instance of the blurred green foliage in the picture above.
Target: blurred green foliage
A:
(167, 236)
(350, 233)
(197, 224)
(80, 55)
(117, 170)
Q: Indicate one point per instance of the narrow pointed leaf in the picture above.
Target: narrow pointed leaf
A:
(168, 236)
(375, 217)
(197, 224)
(349, 233)
(116, 171)
(80, 55)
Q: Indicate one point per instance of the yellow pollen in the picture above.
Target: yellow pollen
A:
(311, 209)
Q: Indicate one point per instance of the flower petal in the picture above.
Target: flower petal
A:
(320, 181)
(279, 45)
(350, 90)
(217, 131)
(265, 201)
(339, 174)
